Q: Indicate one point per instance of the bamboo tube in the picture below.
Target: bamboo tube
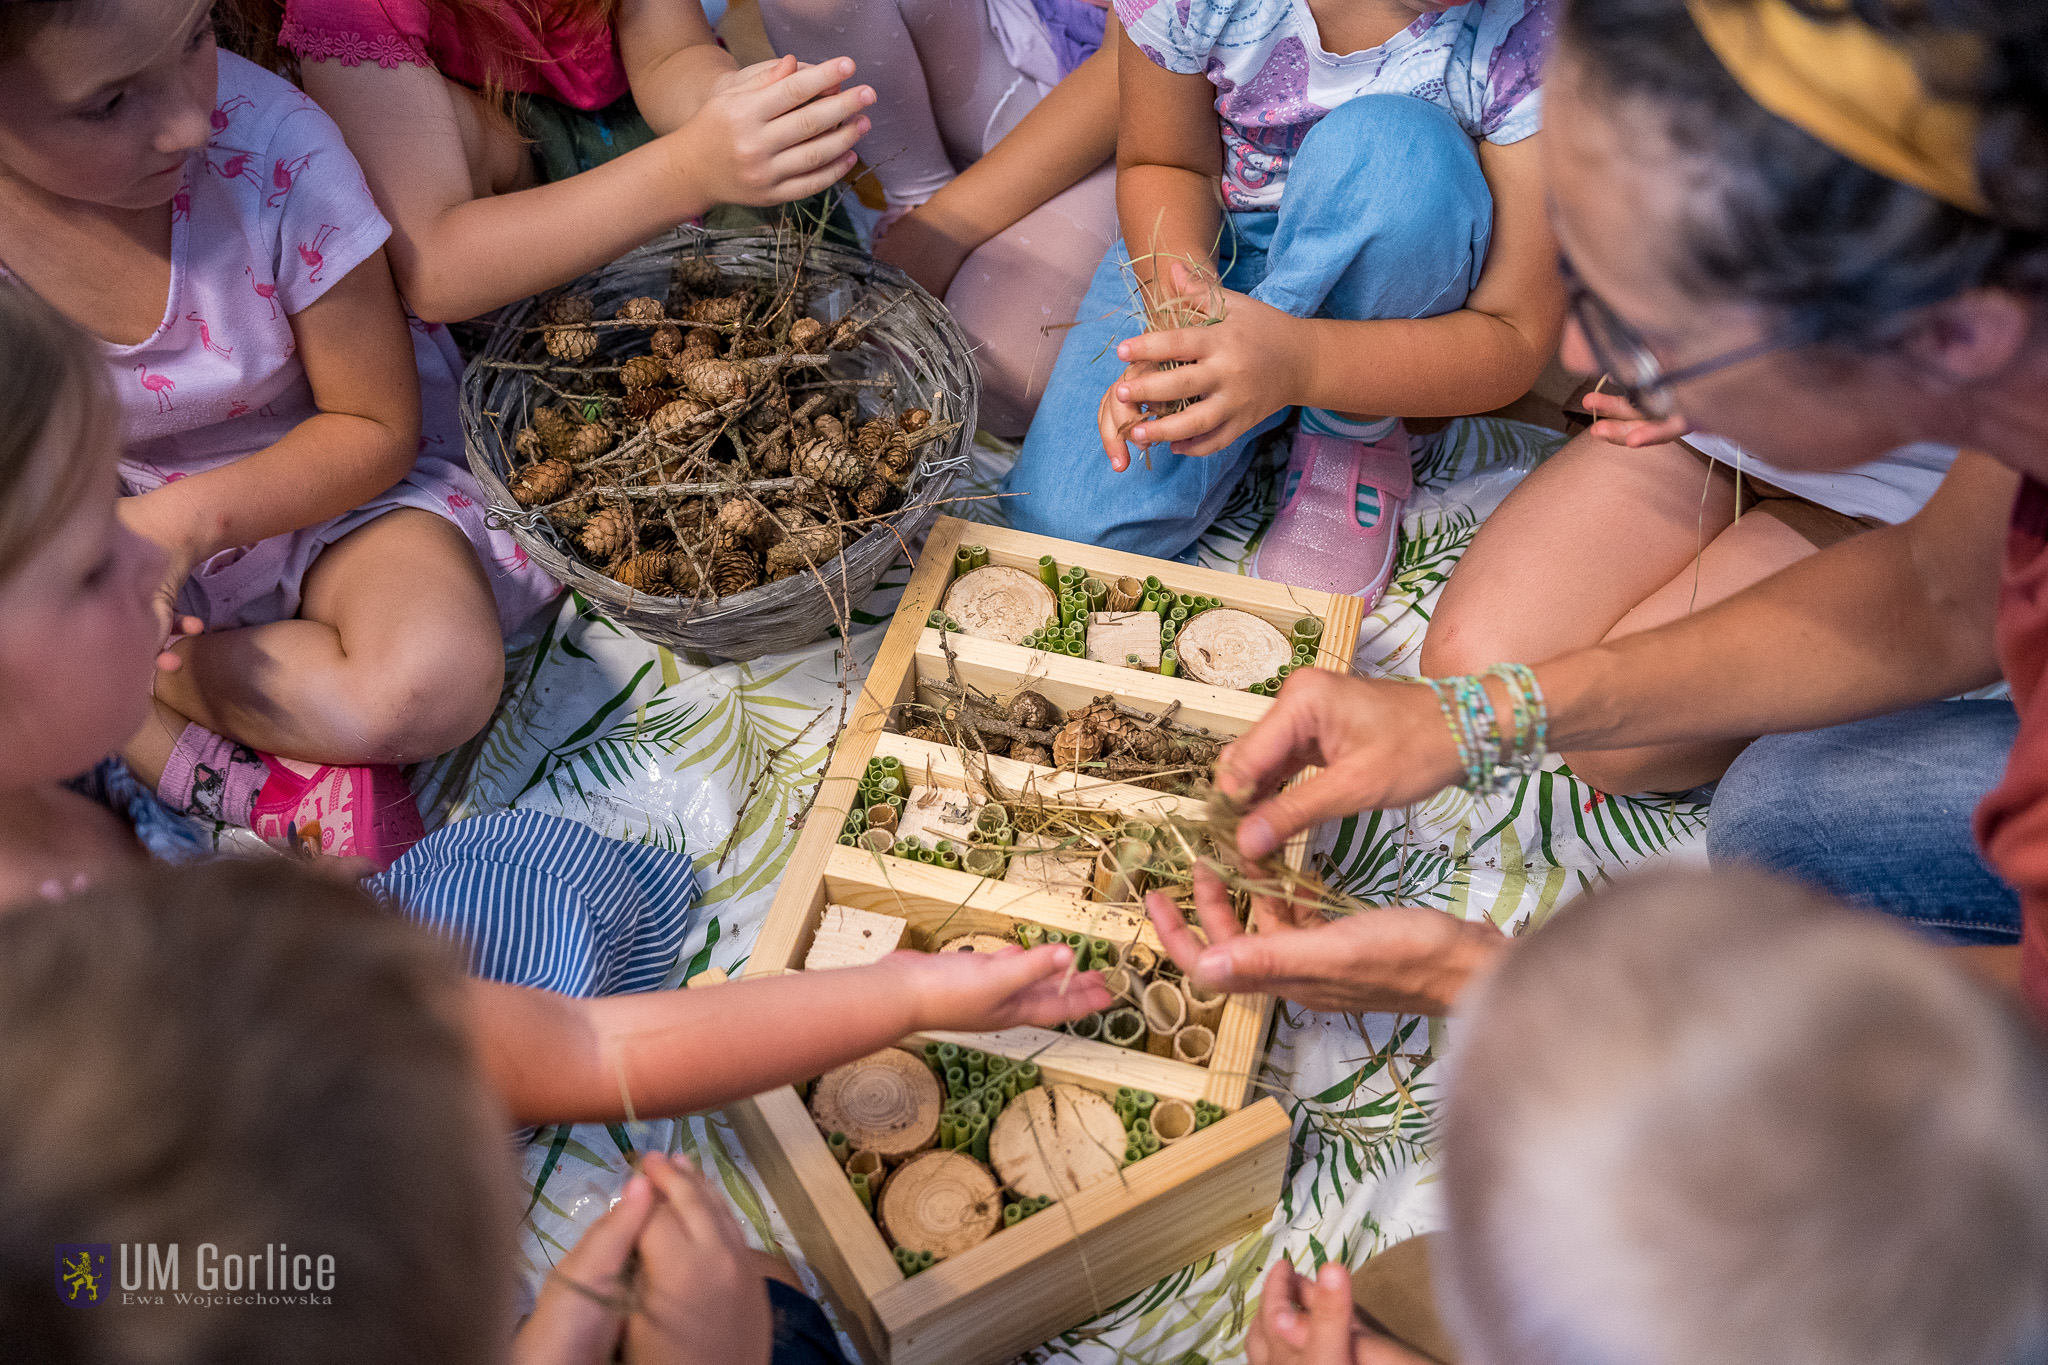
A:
(1125, 593)
(1172, 1120)
(1193, 1045)
(879, 841)
(1123, 1027)
(1120, 871)
(841, 1151)
(1087, 1026)
(882, 818)
(867, 1164)
(1166, 1013)
(977, 556)
(1049, 572)
(1205, 1007)
(983, 861)
(1122, 985)
(860, 1187)
(1140, 958)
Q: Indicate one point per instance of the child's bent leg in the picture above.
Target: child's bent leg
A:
(1070, 490)
(396, 655)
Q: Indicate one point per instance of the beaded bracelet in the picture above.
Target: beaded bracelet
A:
(1531, 716)
(1447, 702)
(1492, 761)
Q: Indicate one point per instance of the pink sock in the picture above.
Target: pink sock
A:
(213, 777)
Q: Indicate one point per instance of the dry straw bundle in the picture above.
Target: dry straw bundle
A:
(769, 352)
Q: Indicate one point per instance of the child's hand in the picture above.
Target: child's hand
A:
(772, 133)
(1622, 425)
(1310, 1322)
(976, 992)
(581, 1311)
(703, 1298)
(1242, 368)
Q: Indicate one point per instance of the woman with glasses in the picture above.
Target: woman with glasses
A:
(1820, 230)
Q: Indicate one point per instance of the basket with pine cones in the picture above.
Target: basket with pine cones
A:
(722, 439)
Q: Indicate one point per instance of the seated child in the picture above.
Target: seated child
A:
(242, 1086)
(1369, 265)
(516, 145)
(226, 255)
(1023, 97)
(1715, 1119)
(538, 901)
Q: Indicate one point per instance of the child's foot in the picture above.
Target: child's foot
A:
(365, 812)
(1340, 515)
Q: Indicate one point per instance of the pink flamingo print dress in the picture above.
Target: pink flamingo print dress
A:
(272, 213)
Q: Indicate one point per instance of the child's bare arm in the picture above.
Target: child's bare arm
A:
(766, 135)
(1065, 136)
(556, 1058)
(1474, 359)
(364, 438)
(1169, 158)
(672, 57)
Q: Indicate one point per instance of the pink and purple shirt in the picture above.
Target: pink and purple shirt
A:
(578, 65)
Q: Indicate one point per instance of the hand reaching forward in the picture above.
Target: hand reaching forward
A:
(1242, 368)
(1306, 1321)
(977, 992)
(773, 132)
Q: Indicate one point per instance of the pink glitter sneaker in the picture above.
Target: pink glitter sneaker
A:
(365, 812)
(1340, 515)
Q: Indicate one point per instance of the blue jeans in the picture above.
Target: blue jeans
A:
(1385, 215)
(1878, 813)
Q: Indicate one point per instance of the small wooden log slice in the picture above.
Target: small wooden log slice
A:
(999, 603)
(1113, 636)
(977, 943)
(886, 1103)
(1225, 647)
(1056, 1142)
(941, 1202)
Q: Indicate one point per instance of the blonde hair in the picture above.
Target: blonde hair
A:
(50, 374)
(1717, 1119)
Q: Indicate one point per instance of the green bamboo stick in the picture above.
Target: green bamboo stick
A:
(841, 1150)
(1169, 663)
(860, 1187)
(1048, 572)
(977, 556)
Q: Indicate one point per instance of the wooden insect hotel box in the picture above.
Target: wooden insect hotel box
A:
(1017, 769)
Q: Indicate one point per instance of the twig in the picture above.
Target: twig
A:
(739, 821)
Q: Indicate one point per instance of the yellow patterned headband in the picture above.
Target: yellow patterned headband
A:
(1850, 87)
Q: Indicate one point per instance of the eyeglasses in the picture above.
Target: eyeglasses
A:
(1621, 351)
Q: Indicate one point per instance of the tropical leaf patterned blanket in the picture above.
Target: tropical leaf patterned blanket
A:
(605, 728)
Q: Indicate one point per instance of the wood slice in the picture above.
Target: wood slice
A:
(934, 813)
(1225, 647)
(886, 1103)
(850, 937)
(941, 1202)
(1115, 635)
(977, 943)
(1056, 1142)
(998, 603)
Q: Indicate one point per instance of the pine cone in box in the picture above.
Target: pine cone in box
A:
(695, 274)
(806, 335)
(801, 549)
(734, 571)
(649, 573)
(676, 416)
(607, 534)
(931, 733)
(555, 430)
(642, 404)
(1026, 752)
(667, 340)
(916, 419)
(642, 372)
(1033, 711)
(722, 312)
(715, 381)
(590, 441)
(568, 334)
(829, 463)
(642, 309)
(1075, 743)
(542, 482)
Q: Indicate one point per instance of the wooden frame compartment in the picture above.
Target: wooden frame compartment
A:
(1053, 1271)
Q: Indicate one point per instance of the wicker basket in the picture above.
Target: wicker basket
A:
(914, 343)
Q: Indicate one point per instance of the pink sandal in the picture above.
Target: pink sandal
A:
(1339, 525)
(360, 812)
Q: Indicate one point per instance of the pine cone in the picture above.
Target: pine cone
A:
(1033, 711)
(872, 497)
(667, 340)
(806, 335)
(847, 334)
(830, 428)
(528, 446)
(772, 455)
(896, 461)
(590, 441)
(642, 372)
(542, 482)
(1075, 743)
(642, 309)
(931, 733)
(644, 403)
(704, 339)
(715, 381)
(717, 312)
(873, 438)
(676, 416)
(830, 464)
(916, 419)
(555, 429)
(734, 571)
(803, 548)
(607, 535)
(568, 308)
(748, 345)
(649, 573)
(567, 336)
(695, 274)
(743, 522)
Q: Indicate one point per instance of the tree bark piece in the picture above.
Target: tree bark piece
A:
(1225, 647)
(1000, 603)
(848, 937)
(1113, 636)
(886, 1103)
(1056, 1142)
(1166, 1013)
(941, 1202)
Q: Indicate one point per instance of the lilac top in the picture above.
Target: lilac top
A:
(1073, 27)
(1481, 62)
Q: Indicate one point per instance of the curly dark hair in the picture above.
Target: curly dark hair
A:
(1841, 251)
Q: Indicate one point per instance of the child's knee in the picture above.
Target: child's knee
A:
(1424, 137)
(435, 699)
